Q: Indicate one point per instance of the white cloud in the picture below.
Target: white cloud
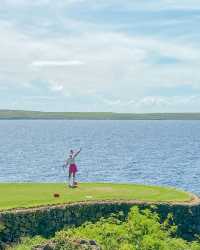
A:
(25, 2)
(56, 63)
(57, 88)
(115, 64)
(153, 104)
(168, 104)
(154, 5)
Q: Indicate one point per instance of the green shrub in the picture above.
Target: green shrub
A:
(142, 230)
(28, 243)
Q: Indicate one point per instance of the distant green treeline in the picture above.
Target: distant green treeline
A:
(20, 114)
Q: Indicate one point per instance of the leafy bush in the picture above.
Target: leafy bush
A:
(28, 243)
(142, 230)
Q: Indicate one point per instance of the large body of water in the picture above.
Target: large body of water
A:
(150, 152)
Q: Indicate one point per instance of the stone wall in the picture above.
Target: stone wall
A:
(47, 220)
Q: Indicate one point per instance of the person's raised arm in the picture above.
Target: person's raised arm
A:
(77, 152)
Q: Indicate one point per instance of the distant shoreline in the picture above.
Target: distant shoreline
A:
(38, 115)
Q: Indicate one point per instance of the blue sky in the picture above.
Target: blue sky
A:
(87, 55)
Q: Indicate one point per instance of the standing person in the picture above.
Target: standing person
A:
(72, 166)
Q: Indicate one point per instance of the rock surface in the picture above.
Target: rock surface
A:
(71, 245)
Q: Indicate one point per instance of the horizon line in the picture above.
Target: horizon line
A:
(100, 112)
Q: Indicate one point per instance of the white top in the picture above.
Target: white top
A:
(70, 160)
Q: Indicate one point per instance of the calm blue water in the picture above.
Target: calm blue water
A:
(150, 152)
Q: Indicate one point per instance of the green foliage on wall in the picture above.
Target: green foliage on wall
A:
(47, 221)
(141, 230)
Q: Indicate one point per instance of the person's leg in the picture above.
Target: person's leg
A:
(74, 176)
(69, 181)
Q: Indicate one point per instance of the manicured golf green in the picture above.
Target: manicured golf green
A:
(26, 195)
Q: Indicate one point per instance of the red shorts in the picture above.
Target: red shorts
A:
(72, 168)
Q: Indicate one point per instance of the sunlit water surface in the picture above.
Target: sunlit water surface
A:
(150, 152)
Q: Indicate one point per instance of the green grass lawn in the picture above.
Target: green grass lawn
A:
(24, 195)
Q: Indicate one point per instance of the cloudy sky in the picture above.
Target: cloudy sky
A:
(100, 55)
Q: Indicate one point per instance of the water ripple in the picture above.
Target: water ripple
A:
(150, 152)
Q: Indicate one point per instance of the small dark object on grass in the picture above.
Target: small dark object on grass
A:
(73, 186)
(56, 195)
